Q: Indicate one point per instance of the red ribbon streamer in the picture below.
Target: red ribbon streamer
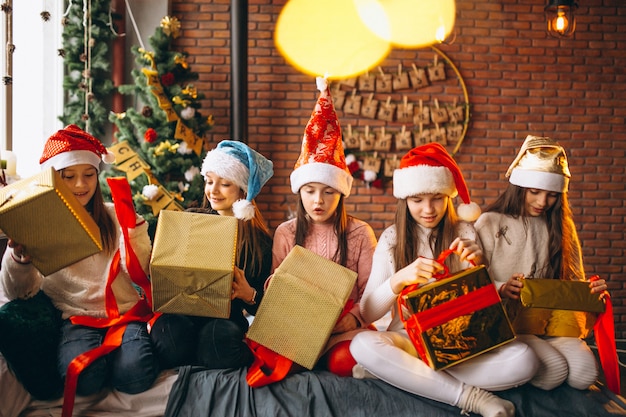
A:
(116, 323)
(604, 333)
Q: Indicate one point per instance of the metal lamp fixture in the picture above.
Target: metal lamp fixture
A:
(561, 22)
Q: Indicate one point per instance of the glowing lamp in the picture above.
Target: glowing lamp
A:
(327, 37)
(409, 23)
(560, 19)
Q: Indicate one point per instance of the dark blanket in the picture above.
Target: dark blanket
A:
(225, 393)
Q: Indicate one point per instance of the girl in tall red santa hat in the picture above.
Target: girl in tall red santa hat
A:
(427, 224)
(322, 182)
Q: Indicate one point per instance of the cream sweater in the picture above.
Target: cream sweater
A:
(79, 289)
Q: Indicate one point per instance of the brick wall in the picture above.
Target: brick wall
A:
(518, 81)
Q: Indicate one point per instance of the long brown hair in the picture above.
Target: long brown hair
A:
(340, 225)
(250, 236)
(564, 249)
(407, 247)
(108, 231)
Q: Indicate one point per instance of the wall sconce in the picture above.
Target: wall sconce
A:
(560, 18)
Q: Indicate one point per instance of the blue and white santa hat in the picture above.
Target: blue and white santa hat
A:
(242, 165)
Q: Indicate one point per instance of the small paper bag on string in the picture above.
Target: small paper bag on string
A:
(437, 71)
(438, 134)
(383, 140)
(383, 82)
(367, 82)
(351, 138)
(386, 110)
(353, 104)
(404, 112)
(349, 82)
(421, 114)
(367, 140)
(423, 136)
(404, 141)
(400, 81)
(418, 77)
(391, 164)
(456, 113)
(439, 114)
(338, 95)
(369, 107)
(454, 132)
(372, 163)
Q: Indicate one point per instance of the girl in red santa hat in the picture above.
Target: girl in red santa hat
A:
(80, 290)
(322, 182)
(529, 232)
(427, 224)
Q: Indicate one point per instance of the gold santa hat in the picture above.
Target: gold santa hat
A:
(542, 164)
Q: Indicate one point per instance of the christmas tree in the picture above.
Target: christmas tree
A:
(160, 144)
(87, 33)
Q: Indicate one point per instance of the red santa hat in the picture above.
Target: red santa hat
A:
(322, 158)
(429, 169)
(73, 146)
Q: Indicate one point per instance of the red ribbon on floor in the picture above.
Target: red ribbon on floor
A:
(116, 323)
(604, 333)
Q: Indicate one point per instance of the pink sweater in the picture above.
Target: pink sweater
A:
(323, 241)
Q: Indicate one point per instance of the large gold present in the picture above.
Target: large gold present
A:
(301, 305)
(551, 307)
(455, 318)
(192, 263)
(41, 213)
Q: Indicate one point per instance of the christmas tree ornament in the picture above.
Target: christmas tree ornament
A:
(171, 26)
(187, 113)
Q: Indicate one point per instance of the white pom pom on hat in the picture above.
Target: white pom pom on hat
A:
(429, 169)
(73, 146)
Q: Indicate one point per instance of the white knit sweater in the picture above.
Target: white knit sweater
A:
(79, 289)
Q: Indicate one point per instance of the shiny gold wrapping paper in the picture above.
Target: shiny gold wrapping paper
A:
(42, 214)
(465, 336)
(301, 305)
(192, 263)
(551, 307)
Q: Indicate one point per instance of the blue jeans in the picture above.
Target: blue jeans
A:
(208, 342)
(131, 368)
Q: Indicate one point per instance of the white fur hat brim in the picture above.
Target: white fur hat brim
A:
(423, 179)
(540, 180)
(324, 173)
(226, 166)
(67, 159)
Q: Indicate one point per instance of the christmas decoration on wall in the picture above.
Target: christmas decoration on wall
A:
(7, 9)
(159, 144)
(390, 110)
(87, 33)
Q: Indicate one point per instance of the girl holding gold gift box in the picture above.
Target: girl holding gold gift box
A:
(426, 225)
(322, 181)
(234, 175)
(97, 293)
(528, 232)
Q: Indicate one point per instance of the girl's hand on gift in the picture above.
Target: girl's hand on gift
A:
(468, 250)
(19, 254)
(420, 271)
(346, 323)
(241, 287)
(512, 287)
(597, 285)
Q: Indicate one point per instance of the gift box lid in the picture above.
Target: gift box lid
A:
(560, 295)
(41, 213)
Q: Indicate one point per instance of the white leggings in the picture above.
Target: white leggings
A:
(391, 357)
(562, 359)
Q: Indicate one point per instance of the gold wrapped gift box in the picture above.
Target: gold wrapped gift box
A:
(551, 307)
(41, 213)
(301, 305)
(192, 263)
(456, 318)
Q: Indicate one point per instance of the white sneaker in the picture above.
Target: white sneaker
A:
(476, 400)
